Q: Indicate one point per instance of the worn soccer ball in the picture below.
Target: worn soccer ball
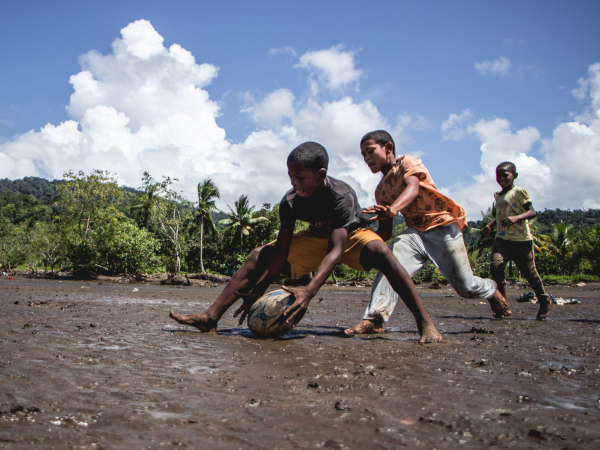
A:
(266, 318)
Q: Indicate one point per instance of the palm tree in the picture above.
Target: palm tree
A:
(145, 203)
(241, 219)
(559, 243)
(207, 192)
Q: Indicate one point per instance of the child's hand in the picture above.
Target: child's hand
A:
(298, 309)
(485, 232)
(249, 299)
(382, 211)
(508, 221)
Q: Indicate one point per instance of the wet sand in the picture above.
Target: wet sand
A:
(87, 365)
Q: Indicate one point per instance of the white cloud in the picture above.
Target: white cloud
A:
(140, 108)
(273, 108)
(333, 68)
(498, 66)
(144, 107)
(283, 51)
(566, 174)
(454, 128)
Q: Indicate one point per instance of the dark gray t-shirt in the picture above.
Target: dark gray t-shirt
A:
(332, 206)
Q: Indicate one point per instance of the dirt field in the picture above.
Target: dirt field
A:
(88, 365)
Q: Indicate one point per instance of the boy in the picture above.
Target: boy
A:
(336, 234)
(512, 210)
(434, 231)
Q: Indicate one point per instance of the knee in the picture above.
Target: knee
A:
(376, 255)
(466, 291)
(255, 255)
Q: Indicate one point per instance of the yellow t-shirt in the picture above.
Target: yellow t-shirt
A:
(512, 203)
(431, 208)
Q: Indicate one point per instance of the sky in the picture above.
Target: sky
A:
(198, 90)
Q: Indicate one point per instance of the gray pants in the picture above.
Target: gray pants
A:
(445, 248)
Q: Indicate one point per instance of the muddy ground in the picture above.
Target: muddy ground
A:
(95, 365)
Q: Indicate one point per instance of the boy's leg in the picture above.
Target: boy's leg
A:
(445, 247)
(243, 280)
(525, 261)
(408, 250)
(500, 256)
(375, 254)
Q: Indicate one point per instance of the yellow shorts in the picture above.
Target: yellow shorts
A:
(308, 249)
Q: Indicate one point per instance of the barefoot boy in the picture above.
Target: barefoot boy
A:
(434, 231)
(336, 234)
(512, 210)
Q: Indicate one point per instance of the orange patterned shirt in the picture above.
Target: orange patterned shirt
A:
(431, 208)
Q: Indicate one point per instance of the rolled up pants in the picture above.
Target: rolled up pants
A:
(445, 248)
(521, 252)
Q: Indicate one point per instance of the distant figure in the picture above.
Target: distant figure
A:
(337, 233)
(434, 232)
(512, 210)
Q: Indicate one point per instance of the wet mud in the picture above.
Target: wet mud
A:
(88, 365)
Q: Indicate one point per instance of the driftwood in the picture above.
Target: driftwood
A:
(208, 277)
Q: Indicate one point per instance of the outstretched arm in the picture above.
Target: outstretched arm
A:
(304, 295)
(404, 200)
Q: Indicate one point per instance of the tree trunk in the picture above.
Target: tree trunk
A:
(201, 244)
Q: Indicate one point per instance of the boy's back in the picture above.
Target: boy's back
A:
(431, 208)
(333, 206)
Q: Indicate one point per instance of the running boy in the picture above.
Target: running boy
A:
(512, 210)
(336, 234)
(434, 231)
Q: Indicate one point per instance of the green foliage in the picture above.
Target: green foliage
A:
(427, 274)
(242, 220)
(89, 202)
(233, 263)
(172, 216)
(344, 272)
(39, 188)
(82, 222)
(207, 193)
(129, 250)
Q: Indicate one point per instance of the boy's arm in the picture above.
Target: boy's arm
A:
(385, 229)
(304, 295)
(488, 228)
(529, 214)
(404, 200)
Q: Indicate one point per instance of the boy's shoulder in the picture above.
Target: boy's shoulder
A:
(408, 161)
(515, 191)
(333, 189)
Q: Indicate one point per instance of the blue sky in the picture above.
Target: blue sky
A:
(463, 85)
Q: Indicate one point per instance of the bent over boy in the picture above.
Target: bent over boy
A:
(336, 234)
(434, 232)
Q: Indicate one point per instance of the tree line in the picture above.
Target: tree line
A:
(87, 224)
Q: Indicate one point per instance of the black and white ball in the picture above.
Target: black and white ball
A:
(266, 318)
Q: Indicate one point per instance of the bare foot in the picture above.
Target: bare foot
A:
(544, 310)
(499, 305)
(429, 334)
(200, 321)
(365, 327)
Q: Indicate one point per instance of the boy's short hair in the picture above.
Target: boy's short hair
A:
(507, 165)
(381, 137)
(310, 154)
